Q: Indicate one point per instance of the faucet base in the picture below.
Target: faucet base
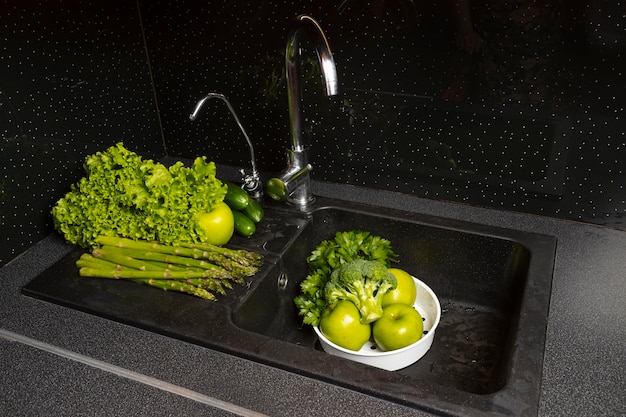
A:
(302, 200)
(292, 185)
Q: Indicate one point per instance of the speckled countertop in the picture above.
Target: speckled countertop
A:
(58, 361)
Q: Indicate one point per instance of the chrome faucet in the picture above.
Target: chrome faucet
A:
(252, 181)
(294, 183)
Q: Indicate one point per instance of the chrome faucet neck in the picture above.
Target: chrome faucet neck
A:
(306, 26)
(294, 182)
(251, 182)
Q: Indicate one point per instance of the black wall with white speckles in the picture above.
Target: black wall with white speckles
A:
(532, 122)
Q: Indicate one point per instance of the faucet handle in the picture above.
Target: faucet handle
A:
(276, 189)
(288, 182)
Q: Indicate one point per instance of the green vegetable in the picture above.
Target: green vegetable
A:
(141, 260)
(254, 211)
(236, 197)
(240, 262)
(348, 246)
(125, 195)
(362, 282)
(244, 226)
(246, 211)
(329, 255)
(202, 271)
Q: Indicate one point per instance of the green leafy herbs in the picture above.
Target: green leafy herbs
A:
(328, 256)
(125, 195)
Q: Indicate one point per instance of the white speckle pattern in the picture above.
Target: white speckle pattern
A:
(75, 81)
(534, 122)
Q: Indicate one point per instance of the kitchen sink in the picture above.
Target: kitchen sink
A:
(493, 284)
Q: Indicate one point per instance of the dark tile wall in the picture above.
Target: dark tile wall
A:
(74, 79)
(533, 122)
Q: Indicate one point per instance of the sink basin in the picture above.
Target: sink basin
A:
(493, 284)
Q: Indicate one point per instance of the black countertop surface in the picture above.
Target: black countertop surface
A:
(59, 361)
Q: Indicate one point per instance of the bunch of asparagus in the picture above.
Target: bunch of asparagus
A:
(202, 270)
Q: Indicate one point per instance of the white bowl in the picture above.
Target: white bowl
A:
(428, 306)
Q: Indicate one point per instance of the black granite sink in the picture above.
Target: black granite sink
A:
(493, 284)
(494, 287)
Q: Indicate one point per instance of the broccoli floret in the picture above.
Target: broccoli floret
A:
(362, 282)
(329, 255)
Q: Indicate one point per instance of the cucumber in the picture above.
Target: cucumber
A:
(243, 225)
(254, 211)
(236, 197)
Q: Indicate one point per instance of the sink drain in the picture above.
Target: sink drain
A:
(283, 279)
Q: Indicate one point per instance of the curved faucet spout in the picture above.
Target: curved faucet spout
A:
(293, 183)
(305, 25)
(252, 182)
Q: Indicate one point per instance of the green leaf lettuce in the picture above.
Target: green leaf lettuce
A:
(125, 195)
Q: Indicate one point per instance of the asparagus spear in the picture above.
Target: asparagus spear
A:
(166, 284)
(128, 273)
(92, 266)
(214, 285)
(141, 260)
(241, 256)
(87, 259)
(195, 251)
(233, 271)
(123, 260)
(198, 270)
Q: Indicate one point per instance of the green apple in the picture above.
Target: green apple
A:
(341, 324)
(401, 325)
(404, 293)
